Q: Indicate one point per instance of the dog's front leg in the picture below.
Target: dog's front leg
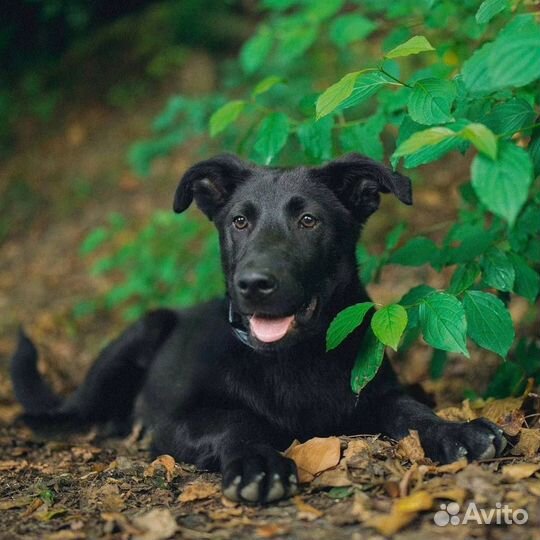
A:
(238, 443)
(442, 441)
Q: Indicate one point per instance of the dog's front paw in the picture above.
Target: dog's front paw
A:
(450, 441)
(261, 475)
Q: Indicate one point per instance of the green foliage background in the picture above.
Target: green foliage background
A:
(406, 80)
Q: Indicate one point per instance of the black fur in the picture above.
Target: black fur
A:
(212, 393)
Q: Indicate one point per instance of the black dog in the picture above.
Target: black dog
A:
(227, 384)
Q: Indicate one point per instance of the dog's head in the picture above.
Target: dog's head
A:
(288, 236)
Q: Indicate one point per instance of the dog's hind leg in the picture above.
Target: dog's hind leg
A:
(108, 391)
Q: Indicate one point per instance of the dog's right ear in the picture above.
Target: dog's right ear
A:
(210, 183)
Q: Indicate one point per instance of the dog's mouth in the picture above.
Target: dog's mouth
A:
(270, 329)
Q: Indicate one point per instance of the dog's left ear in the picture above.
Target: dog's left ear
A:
(358, 182)
(210, 183)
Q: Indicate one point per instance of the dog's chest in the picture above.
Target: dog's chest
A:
(306, 398)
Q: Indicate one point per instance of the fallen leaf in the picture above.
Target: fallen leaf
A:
(458, 414)
(416, 502)
(225, 513)
(270, 530)
(110, 498)
(528, 444)
(306, 512)
(453, 467)
(50, 514)
(122, 522)
(389, 524)
(315, 456)
(410, 447)
(8, 504)
(198, 490)
(403, 511)
(13, 465)
(65, 535)
(166, 462)
(457, 494)
(157, 524)
(519, 471)
(534, 487)
(337, 477)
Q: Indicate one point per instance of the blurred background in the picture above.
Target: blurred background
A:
(103, 105)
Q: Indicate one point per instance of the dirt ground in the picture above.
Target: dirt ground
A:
(93, 488)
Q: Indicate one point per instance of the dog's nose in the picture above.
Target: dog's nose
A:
(253, 284)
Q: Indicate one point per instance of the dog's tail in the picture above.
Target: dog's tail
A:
(110, 388)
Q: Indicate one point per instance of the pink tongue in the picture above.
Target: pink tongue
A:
(269, 330)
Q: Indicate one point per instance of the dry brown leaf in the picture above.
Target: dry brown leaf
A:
(157, 524)
(453, 467)
(465, 413)
(410, 447)
(9, 504)
(198, 490)
(13, 465)
(389, 524)
(456, 493)
(354, 447)
(167, 462)
(316, 455)
(519, 471)
(528, 444)
(306, 512)
(65, 535)
(223, 514)
(403, 511)
(121, 521)
(110, 498)
(534, 487)
(337, 477)
(270, 530)
(416, 502)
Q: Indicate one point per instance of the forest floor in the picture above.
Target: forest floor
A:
(75, 173)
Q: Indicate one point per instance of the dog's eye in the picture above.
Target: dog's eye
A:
(240, 222)
(307, 221)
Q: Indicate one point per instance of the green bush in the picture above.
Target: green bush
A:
(415, 80)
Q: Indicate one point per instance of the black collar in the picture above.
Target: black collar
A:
(238, 328)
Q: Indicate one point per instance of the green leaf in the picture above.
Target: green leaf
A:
(345, 322)
(422, 139)
(94, 240)
(367, 362)
(502, 185)
(256, 50)
(432, 151)
(488, 9)
(416, 252)
(271, 136)
(225, 115)
(442, 319)
(334, 95)
(296, 35)
(431, 100)
(489, 323)
(415, 45)
(509, 380)
(349, 28)
(512, 60)
(364, 138)
(316, 138)
(499, 271)
(394, 236)
(412, 300)
(389, 323)
(265, 85)
(534, 151)
(438, 362)
(509, 117)
(464, 277)
(368, 83)
(482, 138)
(527, 282)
